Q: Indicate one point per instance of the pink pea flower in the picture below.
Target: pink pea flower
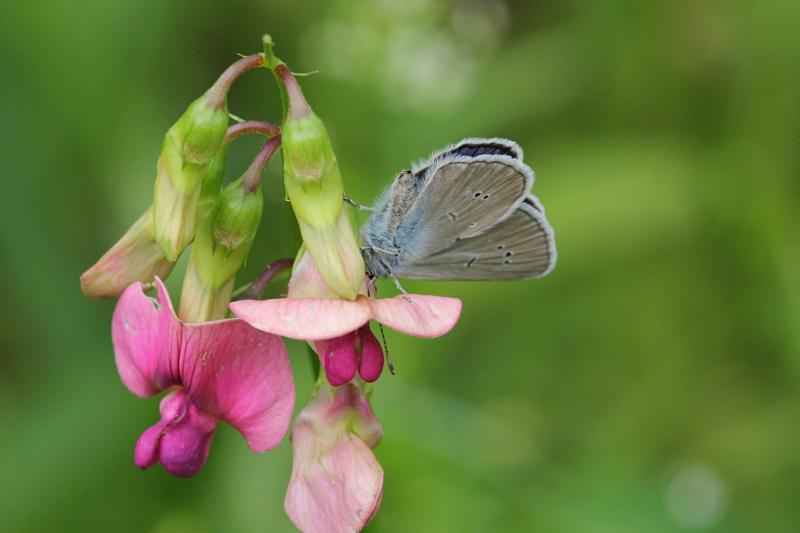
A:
(340, 328)
(221, 370)
(336, 482)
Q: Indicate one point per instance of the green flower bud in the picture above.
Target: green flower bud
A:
(314, 187)
(223, 241)
(193, 154)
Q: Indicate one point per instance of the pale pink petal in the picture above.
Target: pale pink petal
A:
(241, 375)
(371, 364)
(416, 314)
(312, 319)
(180, 441)
(339, 359)
(307, 282)
(337, 491)
(336, 483)
(145, 334)
(135, 257)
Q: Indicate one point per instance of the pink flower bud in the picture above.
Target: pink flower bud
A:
(135, 257)
(336, 482)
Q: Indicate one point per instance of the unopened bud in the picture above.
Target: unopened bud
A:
(191, 154)
(314, 186)
(336, 482)
(135, 257)
(223, 241)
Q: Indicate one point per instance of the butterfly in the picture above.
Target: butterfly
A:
(465, 213)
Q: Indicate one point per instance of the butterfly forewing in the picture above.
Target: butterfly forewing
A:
(462, 198)
(521, 246)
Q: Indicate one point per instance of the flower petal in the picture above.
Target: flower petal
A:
(146, 334)
(371, 364)
(339, 358)
(339, 491)
(312, 319)
(241, 375)
(135, 257)
(417, 314)
(180, 441)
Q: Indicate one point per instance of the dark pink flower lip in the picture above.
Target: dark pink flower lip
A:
(180, 441)
(355, 352)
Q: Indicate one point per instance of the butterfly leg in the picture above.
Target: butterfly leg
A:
(357, 205)
(397, 283)
(389, 361)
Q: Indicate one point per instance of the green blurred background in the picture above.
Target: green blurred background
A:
(648, 384)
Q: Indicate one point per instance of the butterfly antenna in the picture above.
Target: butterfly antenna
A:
(389, 361)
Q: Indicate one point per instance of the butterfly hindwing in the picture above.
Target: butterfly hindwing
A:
(519, 247)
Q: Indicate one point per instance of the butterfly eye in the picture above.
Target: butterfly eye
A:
(477, 194)
(500, 246)
(507, 262)
(486, 196)
(509, 254)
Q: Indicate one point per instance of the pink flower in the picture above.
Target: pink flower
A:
(219, 370)
(336, 482)
(345, 343)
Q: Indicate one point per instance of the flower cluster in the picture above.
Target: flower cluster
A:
(237, 369)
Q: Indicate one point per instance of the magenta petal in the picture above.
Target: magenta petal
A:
(145, 334)
(241, 375)
(311, 319)
(183, 448)
(180, 440)
(145, 454)
(339, 358)
(371, 364)
(416, 314)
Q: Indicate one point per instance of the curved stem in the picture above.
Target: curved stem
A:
(251, 126)
(251, 181)
(298, 107)
(261, 282)
(218, 92)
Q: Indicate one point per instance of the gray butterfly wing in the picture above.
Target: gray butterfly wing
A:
(463, 197)
(521, 246)
(395, 203)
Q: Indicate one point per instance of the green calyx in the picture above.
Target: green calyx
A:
(191, 155)
(311, 174)
(225, 236)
